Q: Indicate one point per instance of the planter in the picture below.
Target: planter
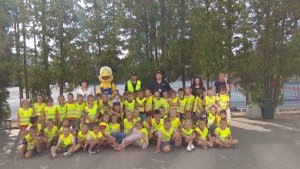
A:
(267, 108)
(253, 111)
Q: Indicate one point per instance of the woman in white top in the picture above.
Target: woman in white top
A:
(84, 90)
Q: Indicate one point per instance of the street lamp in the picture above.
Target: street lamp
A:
(185, 67)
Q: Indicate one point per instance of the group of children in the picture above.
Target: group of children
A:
(177, 118)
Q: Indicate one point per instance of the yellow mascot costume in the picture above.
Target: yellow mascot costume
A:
(106, 78)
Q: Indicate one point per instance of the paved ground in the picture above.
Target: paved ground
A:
(273, 144)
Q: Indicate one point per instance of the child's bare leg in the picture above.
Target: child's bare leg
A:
(210, 143)
(201, 143)
(219, 142)
(226, 143)
(177, 138)
(74, 148)
(126, 143)
(53, 150)
(38, 146)
(188, 140)
(24, 147)
(234, 142)
(92, 144)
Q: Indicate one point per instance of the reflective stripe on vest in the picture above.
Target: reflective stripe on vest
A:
(130, 86)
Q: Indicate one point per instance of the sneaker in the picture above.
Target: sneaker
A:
(92, 152)
(188, 148)
(192, 147)
(205, 147)
(66, 154)
(179, 148)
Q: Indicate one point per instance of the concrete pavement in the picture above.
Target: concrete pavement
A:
(273, 144)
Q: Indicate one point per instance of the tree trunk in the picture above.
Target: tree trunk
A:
(25, 58)
(18, 56)
(45, 50)
(62, 50)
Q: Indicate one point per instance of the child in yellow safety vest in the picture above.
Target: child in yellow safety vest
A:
(94, 140)
(31, 143)
(34, 122)
(82, 138)
(188, 135)
(175, 121)
(106, 131)
(129, 103)
(38, 106)
(198, 105)
(91, 111)
(50, 111)
(71, 109)
(140, 102)
(156, 124)
(116, 110)
(80, 108)
(50, 134)
(157, 100)
(224, 137)
(182, 103)
(62, 109)
(165, 135)
(66, 144)
(128, 122)
(174, 101)
(223, 102)
(190, 100)
(148, 102)
(24, 114)
(203, 136)
(139, 137)
(104, 101)
(209, 100)
(115, 129)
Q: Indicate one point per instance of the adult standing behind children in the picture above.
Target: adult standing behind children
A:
(197, 85)
(84, 90)
(221, 82)
(133, 85)
(160, 84)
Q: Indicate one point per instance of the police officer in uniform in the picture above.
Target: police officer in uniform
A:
(160, 84)
(133, 85)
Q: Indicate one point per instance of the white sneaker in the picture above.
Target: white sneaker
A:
(192, 147)
(188, 148)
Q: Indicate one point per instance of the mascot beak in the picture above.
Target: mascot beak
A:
(105, 77)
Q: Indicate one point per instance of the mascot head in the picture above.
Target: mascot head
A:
(105, 75)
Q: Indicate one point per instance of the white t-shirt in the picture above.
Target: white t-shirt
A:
(85, 94)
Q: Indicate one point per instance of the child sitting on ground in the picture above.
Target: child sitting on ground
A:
(224, 137)
(66, 144)
(138, 137)
(188, 135)
(203, 137)
(50, 134)
(31, 143)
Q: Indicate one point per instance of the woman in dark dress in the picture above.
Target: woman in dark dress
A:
(197, 85)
